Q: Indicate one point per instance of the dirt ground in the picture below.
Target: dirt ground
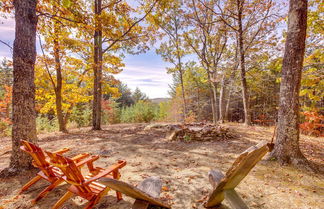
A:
(182, 166)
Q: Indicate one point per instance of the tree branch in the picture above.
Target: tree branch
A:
(109, 5)
(10, 47)
(46, 66)
(130, 28)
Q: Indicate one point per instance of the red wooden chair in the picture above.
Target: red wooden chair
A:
(51, 174)
(86, 187)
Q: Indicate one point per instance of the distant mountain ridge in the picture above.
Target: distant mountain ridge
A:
(159, 100)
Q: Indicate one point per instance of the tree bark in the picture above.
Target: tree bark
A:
(214, 88)
(23, 99)
(212, 101)
(228, 103)
(181, 73)
(183, 93)
(245, 93)
(222, 100)
(287, 144)
(97, 69)
(59, 80)
(212, 98)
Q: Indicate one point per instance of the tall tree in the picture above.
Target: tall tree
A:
(125, 99)
(251, 21)
(170, 21)
(114, 29)
(287, 145)
(139, 95)
(52, 30)
(208, 39)
(57, 18)
(97, 66)
(23, 99)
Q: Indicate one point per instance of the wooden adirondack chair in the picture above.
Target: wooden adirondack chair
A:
(47, 171)
(86, 187)
(224, 186)
(147, 193)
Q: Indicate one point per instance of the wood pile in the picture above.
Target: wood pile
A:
(193, 131)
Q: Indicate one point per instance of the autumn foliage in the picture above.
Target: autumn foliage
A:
(5, 104)
(314, 123)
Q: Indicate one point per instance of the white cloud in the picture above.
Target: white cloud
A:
(146, 71)
(153, 81)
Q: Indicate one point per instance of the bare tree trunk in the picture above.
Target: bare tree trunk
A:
(181, 77)
(183, 93)
(212, 101)
(97, 70)
(230, 88)
(59, 80)
(287, 145)
(214, 88)
(228, 103)
(222, 100)
(245, 93)
(198, 109)
(23, 99)
(212, 98)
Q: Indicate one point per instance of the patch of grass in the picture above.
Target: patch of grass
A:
(187, 138)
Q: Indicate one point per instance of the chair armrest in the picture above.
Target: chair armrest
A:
(90, 159)
(61, 151)
(80, 157)
(107, 171)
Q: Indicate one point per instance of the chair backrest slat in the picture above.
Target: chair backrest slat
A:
(39, 159)
(238, 171)
(72, 173)
(244, 164)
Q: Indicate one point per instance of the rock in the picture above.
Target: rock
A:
(191, 132)
(173, 133)
(198, 132)
(155, 126)
(105, 152)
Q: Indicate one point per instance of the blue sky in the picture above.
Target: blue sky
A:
(146, 71)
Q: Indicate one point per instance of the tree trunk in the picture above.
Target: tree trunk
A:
(245, 93)
(97, 69)
(23, 99)
(212, 101)
(214, 88)
(212, 98)
(287, 144)
(181, 77)
(222, 100)
(59, 80)
(228, 103)
(183, 94)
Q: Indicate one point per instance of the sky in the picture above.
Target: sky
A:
(146, 71)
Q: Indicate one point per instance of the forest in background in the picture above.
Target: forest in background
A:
(226, 65)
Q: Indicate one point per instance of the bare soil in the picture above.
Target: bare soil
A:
(183, 167)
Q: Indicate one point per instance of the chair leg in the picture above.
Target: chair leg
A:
(140, 204)
(235, 200)
(31, 182)
(97, 198)
(92, 202)
(65, 197)
(117, 175)
(47, 190)
(119, 196)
